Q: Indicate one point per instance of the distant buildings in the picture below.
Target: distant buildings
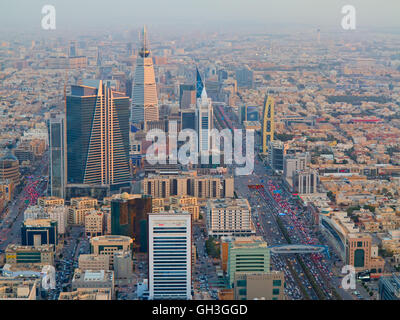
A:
(98, 137)
(170, 243)
(244, 77)
(187, 96)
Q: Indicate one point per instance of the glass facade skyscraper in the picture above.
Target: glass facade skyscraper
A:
(98, 137)
(57, 170)
(129, 218)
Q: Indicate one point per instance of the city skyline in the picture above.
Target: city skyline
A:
(235, 152)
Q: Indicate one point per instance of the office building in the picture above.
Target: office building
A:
(94, 223)
(249, 113)
(229, 217)
(58, 156)
(123, 266)
(129, 218)
(98, 137)
(57, 213)
(188, 119)
(186, 203)
(389, 287)
(259, 285)
(39, 255)
(50, 201)
(9, 168)
(187, 96)
(276, 154)
(306, 181)
(94, 262)
(247, 254)
(101, 279)
(170, 243)
(39, 232)
(87, 294)
(79, 208)
(201, 187)
(144, 92)
(109, 244)
(244, 77)
(293, 163)
(19, 289)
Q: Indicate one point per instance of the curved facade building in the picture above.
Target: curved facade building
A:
(9, 168)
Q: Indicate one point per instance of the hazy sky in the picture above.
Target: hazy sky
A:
(20, 15)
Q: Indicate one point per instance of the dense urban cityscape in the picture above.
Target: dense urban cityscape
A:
(128, 169)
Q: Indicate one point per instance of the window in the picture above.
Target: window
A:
(277, 283)
(275, 291)
(242, 292)
(359, 244)
(359, 258)
(241, 283)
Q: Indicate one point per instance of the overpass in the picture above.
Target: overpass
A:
(299, 248)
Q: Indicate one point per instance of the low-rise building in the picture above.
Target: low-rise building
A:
(94, 262)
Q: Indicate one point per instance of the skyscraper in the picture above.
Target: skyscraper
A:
(144, 92)
(58, 159)
(170, 258)
(98, 136)
(268, 126)
(204, 123)
(129, 218)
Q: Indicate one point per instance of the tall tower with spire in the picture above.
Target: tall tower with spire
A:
(144, 93)
(204, 123)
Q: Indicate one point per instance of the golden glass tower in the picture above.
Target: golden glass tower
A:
(268, 127)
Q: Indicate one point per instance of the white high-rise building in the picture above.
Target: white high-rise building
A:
(170, 257)
(144, 92)
(229, 217)
(204, 123)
